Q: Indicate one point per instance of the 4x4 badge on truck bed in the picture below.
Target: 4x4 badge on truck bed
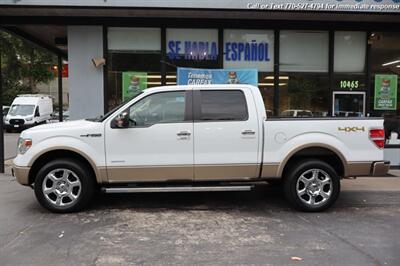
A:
(351, 129)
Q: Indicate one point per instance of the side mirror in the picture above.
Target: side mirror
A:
(121, 121)
(37, 115)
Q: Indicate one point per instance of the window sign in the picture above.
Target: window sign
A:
(192, 44)
(133, 83)
(349, 84)
(249, 48)
(385, 92)
(197, 76)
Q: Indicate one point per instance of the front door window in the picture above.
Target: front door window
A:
(165, 107)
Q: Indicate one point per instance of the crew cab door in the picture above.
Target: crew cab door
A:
(158, 143)
(226, 134)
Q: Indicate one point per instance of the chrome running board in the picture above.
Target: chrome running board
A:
(174, 189)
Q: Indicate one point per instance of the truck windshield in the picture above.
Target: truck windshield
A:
(21, 109)
(104, 117)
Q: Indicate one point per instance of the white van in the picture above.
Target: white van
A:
(28, 110)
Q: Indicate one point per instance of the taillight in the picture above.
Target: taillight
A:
(378, 137)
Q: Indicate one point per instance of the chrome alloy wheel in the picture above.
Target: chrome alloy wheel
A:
(61, 187)
(314, 187)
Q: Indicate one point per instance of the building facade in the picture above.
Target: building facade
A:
(313, 58)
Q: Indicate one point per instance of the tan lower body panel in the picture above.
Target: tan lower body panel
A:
(149, 173)
(208, 172)
(182, 172)
(270, 171)
(351, 169)
(21, 174)
(226, 172)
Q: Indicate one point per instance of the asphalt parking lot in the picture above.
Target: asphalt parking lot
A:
(257, 228)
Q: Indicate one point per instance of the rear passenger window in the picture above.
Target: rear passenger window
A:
(229, 105)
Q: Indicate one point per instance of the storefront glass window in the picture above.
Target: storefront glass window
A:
(385, 71)
(349, 77)
(197, 48)
(253, 49)
(133, 62)
(303, 78)
(349, 51)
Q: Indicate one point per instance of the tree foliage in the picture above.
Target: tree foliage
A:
(23, 66)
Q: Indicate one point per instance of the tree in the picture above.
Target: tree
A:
(23, 66)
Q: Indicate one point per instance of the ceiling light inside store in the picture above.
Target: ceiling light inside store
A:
(159, 76)
(391, 63)
(271, 84)
(280, 77)
(398, 66)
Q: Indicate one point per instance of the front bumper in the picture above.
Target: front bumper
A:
(380, 168)
(21, 173)
(18, 127)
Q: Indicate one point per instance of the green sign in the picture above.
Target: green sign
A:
(385, 92)
(132, 83)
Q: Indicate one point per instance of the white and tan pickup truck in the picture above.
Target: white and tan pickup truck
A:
(197, 138)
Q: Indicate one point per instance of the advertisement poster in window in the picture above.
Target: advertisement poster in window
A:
(385, 92)
(132, 83)
(196, 76)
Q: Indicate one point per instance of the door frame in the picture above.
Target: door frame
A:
(334, 93)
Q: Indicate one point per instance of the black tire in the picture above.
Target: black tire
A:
(79, 171)
(293, 184)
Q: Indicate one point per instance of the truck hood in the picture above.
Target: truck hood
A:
(66, 128)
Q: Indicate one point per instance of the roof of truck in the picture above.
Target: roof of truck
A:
(203, 87)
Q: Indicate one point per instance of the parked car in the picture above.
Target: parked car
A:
(5, 112)
(28, 110)
(197, 138)
(392, 125)
(269, 113)
(297, 113)
(349, 114)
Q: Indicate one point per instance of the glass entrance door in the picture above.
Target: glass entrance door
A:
(348, 103)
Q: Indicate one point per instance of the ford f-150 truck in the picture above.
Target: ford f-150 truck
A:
(197, 138)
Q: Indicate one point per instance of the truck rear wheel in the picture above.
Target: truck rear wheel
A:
(64, 185)
(311, 186)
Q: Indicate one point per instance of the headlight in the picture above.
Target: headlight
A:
(7, 119)
(24, 145)
(29, 118)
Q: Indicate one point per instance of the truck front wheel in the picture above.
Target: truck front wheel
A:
(64, 185)
(311, 185)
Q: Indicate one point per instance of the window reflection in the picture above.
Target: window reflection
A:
(385, 60)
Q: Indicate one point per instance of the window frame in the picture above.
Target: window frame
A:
(197, 106)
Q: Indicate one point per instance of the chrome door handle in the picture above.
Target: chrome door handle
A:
(248, 132)
(183, 133)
